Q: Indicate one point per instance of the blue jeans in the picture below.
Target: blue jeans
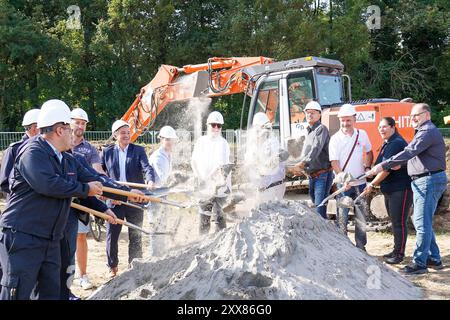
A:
(319, 189)
(360, 215)
(426, 193)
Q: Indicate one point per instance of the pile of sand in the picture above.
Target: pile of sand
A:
(282, 251)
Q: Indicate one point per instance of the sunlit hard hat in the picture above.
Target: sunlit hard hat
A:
(119, 124)
(261, 120)
(30, 117)
(313, 105)
(52, 112)
(79, 113)
(347, 110)
(168, 132)
(215, 117)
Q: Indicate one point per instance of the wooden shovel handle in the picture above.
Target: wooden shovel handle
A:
(130, 194)
(105, 216)
(134, 184)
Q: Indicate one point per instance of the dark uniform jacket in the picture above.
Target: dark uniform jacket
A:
(42, 189)
(8, 163)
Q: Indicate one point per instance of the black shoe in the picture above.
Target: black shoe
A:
(414, 269)
(394, 260)
(435, 265)
(390, 254)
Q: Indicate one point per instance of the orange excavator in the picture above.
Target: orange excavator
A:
(280, 89)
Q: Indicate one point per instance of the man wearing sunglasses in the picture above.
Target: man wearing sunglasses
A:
(211, 153)
(425, 158)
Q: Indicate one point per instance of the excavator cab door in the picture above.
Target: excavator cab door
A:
(266, 99)
(283, 97)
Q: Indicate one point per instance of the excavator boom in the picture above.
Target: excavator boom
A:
(217, 77)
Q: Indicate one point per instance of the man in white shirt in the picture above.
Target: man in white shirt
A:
(161, 162)
(211, 153)
(350, 152)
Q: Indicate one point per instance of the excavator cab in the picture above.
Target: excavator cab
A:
(284, 88)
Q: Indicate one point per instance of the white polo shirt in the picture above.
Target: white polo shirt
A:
(340, 147)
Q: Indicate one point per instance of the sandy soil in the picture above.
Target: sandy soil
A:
(436, 283)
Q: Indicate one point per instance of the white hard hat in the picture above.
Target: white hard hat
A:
(30, 117)
(119, 124)
(261, 120)
(79, 113)
(346, 110)
(52, 114)
(313, 105)
(55, 103)
(168, 132)
(215, 117)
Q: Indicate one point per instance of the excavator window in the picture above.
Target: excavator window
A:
(329, 89)
(268, 101)
(300, 91)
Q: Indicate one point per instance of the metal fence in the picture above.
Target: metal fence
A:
(234, 137)
(445, 132)
(150, 137)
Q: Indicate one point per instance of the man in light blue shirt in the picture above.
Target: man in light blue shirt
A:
(161, 161)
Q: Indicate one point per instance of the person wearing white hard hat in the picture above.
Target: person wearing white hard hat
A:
(314, 159)
(211, 166)
(126, 162)
(351, 153)
(79, 121)
(29, 122)
(264, 167)
(45, 179)
(161, 161)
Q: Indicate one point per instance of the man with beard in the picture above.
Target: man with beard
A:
(81, 146)
(350, 152)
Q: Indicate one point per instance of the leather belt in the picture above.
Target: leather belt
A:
(425, 174)
(318, 173)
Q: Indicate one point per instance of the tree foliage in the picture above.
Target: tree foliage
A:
(121, 43)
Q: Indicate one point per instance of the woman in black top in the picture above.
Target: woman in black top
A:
(396, 188)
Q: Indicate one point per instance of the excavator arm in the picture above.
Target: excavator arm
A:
(217, 77)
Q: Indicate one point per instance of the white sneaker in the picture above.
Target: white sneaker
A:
(85, 283)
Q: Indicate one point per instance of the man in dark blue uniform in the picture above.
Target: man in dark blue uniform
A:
(44, 180)
(29, 122)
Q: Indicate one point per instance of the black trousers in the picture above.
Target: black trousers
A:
(398, 205)
(135, 237)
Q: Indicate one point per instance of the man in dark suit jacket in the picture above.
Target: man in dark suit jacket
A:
(125, 161)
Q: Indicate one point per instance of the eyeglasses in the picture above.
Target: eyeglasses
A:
(65, 128)
(417, 114)
(216, 125)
